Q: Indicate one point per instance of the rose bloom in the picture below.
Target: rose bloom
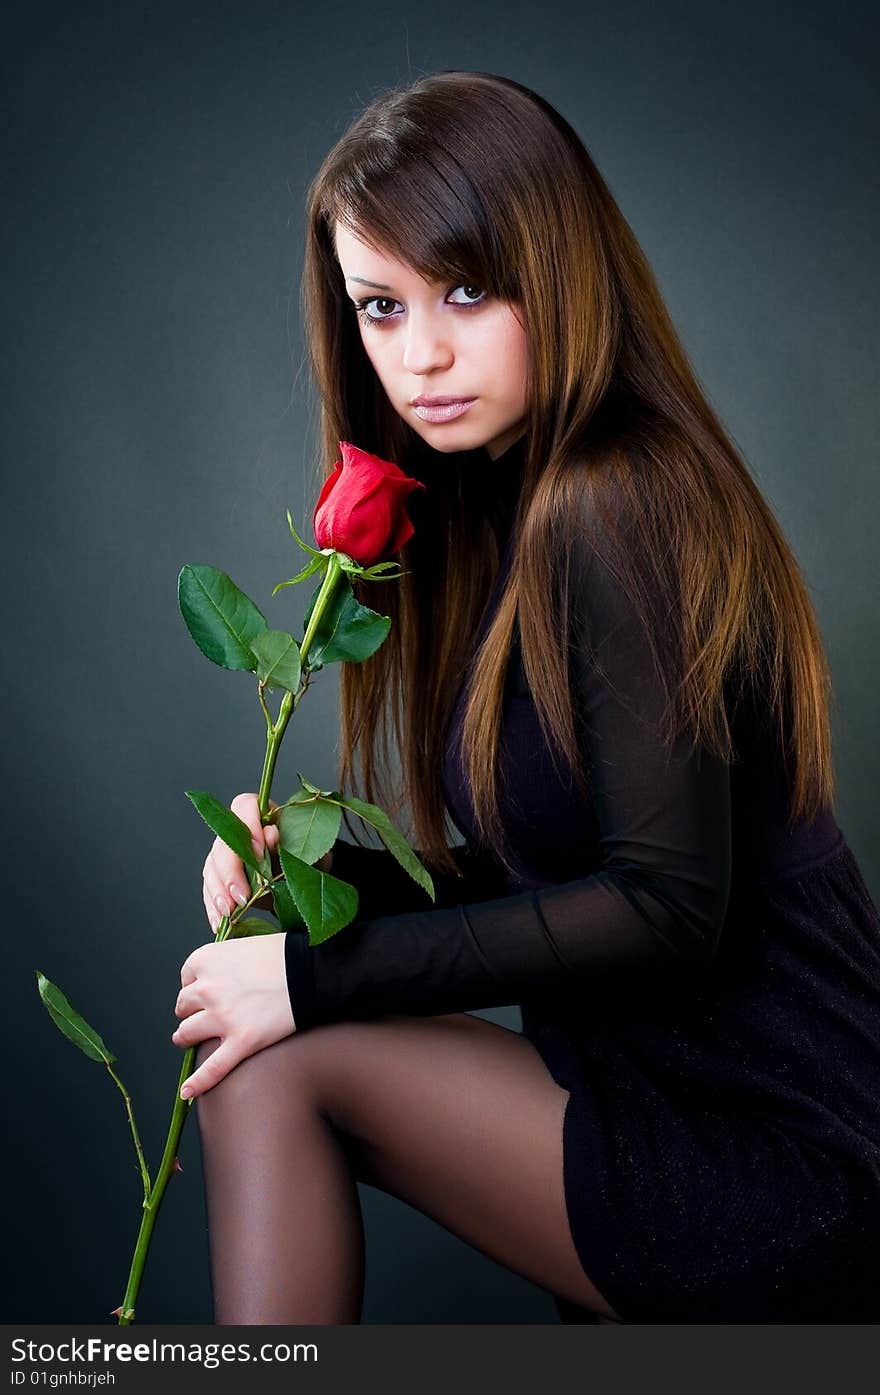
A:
(361, 509)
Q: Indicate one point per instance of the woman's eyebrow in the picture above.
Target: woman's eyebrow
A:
(380, 286)
(377, 285)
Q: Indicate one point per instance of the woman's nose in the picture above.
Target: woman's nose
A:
(427, 347)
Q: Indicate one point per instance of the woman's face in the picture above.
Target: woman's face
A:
(436, 340)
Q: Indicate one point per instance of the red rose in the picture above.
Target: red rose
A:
(361, 509)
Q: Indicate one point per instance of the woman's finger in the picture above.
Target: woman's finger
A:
(188, 971)
(188, 1000)
(224, 876)
(225, 881)
(232, 888)
(211, 1072)
(194, 1027)
(217, 897)
(211, 910)
(223, 867)
(247, 806)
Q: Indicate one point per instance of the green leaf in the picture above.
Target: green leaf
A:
(325, 903)
(253, 925)
(393, 840)
(357, 635)
(69, 1021)
(371, 573)
(221, 619)
(289, 917)
(231, 829)
(278, 662)
(348, 630)
(308, 826)
(317, 564)
(305, 546)
(308, 786)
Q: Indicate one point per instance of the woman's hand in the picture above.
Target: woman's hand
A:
(224, 879)
(237, 991)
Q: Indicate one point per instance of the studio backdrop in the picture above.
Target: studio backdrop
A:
(158, 411)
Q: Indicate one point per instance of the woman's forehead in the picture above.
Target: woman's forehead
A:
(365, 261)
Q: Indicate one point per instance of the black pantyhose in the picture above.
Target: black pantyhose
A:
(454, 1115)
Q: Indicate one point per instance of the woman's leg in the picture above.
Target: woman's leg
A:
(454, 1115)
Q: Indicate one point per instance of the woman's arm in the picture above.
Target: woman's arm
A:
(384, 888)
(659, 898)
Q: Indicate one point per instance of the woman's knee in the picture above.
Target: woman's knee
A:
(282, 1072)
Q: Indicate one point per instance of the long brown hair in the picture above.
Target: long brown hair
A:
(473, 177)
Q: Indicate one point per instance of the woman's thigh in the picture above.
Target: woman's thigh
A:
(460, 1118)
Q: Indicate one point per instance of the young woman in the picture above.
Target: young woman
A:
(604, 663)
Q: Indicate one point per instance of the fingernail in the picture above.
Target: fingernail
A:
(222, 904)
(185, 1092)
(239, 895)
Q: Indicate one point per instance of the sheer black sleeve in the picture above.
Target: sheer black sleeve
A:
(658, 899)
(384, 888)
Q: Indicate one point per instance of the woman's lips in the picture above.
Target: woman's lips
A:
(448, 412)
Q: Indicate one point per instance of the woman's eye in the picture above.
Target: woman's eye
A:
(382, 303)
(468, 290)
(361, 308)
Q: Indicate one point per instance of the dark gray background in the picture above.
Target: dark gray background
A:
(157, 412)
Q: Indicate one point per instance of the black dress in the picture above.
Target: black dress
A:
(701, 978)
